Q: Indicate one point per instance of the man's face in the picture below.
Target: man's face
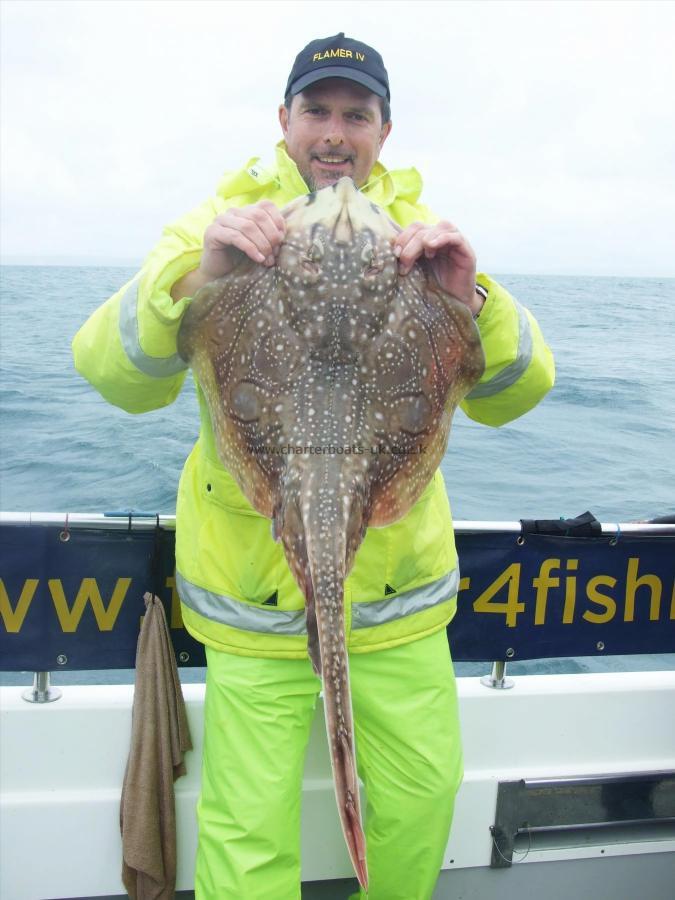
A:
(334, 128)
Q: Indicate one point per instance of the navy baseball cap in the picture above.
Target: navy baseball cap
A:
(338, 57)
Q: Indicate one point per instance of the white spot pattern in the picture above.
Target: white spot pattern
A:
(334, 353)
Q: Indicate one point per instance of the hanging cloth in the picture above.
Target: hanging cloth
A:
(159, 737)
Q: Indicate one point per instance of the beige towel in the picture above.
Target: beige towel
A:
(159, 738)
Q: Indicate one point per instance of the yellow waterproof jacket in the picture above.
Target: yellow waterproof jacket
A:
(237, 592)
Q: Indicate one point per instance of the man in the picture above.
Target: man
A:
(237, 593)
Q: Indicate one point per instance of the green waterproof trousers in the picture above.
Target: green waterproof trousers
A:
(257, 720)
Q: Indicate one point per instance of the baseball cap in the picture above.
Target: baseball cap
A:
(338, 57)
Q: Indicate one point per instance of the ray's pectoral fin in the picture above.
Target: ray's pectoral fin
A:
(214, 317)
(459, 348)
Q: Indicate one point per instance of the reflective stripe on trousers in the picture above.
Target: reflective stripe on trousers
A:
(261, 619)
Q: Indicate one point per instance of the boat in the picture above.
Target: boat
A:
(569, 787)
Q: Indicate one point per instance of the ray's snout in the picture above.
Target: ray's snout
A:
(337, 271)
(343, 229)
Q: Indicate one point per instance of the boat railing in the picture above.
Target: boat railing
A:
(72, 586)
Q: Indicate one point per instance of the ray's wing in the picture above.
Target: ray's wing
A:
(423, 365)
(245, 358)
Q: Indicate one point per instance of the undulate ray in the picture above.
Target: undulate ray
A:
(331, 349)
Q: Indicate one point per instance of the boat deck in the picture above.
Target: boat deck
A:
(63, 763)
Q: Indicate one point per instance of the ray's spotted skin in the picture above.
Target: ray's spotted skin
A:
(333, 352)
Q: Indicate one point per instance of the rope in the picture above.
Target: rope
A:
(524, 853)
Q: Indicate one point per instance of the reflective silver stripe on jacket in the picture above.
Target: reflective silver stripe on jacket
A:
(379, 612)
(262, 619)
(228, 611)
(511, 373)
(157, 366)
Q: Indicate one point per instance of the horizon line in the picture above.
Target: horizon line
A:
(77, 262)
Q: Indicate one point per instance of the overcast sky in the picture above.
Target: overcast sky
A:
(545, 130)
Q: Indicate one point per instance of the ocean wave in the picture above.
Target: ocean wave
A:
(607, 391)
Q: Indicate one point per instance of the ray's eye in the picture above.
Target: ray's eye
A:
(313, 256)
(368, 257)
(316, 251)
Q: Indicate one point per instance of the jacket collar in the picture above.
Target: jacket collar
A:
(383, 187)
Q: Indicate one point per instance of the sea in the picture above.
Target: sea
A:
(603, 439)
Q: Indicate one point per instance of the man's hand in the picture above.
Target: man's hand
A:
(256, 231)
(450, 256)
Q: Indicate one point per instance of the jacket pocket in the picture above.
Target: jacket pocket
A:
(217, 486)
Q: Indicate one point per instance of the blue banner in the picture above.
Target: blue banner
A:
(77, 603)
(544, 596)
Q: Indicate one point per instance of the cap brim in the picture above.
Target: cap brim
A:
(361, 78)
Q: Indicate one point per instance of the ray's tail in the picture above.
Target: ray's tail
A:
(325, 526)
(326, 563)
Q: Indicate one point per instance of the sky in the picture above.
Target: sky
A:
(544, 130)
